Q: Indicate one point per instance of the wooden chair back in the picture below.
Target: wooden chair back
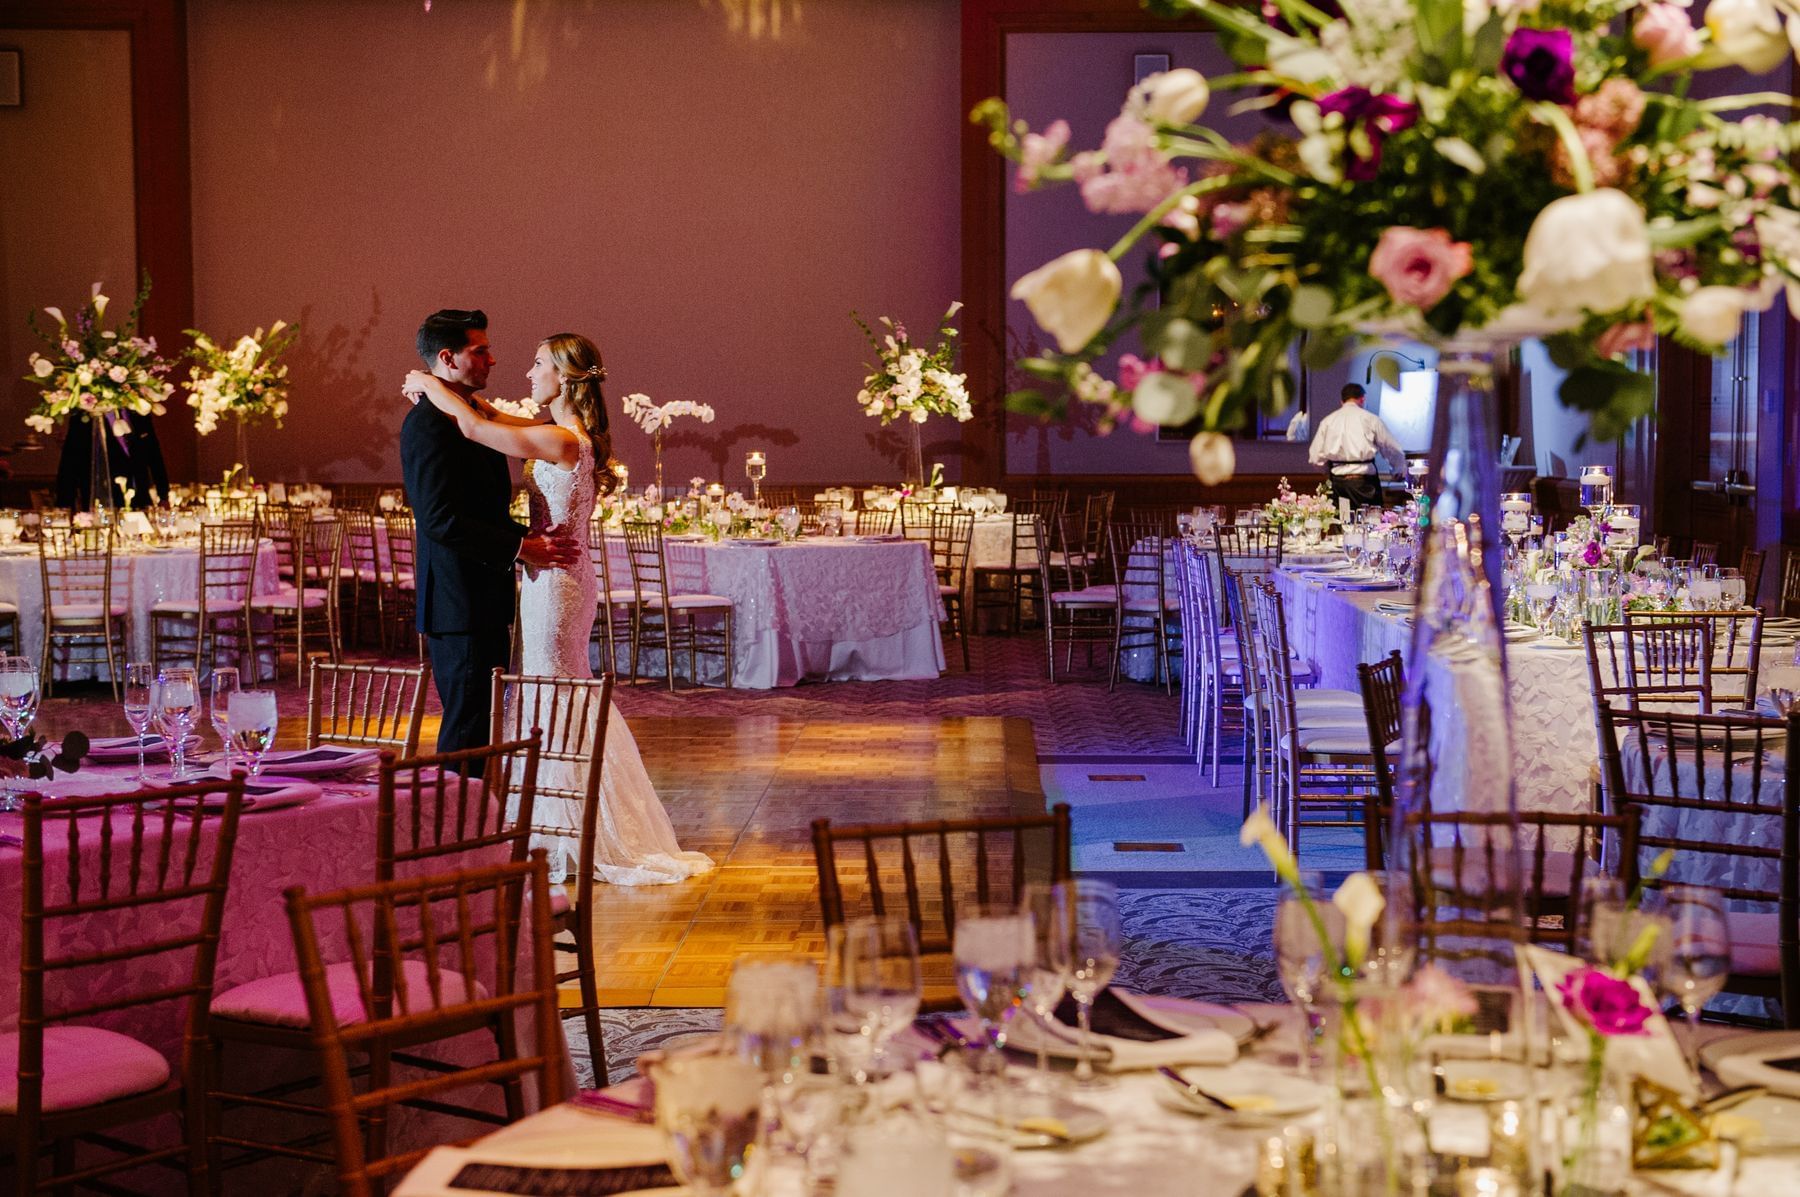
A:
(433, 957)
(891, 865)
(952, 534)
(403, 546)
(380, 706)
(1248, 542)
(435, 809)
(1705, 552)
(1666, 661)
(138, 875)
(76, 565)
(1382, 685)
(1750, 565)
(872, 521)
(1138, 552)
(649, 564)
(320, 542)
(1788, 601)
(569, 715)
(1735, 642)
(361, 557)
(228, 561)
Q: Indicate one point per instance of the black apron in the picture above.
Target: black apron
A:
(1363, 490)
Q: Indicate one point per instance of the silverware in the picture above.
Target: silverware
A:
(1193, 1090)
(601, 1103)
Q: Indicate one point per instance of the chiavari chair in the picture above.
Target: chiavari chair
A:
(1667, 661)
(888, 869)
(1220, 656)
(666, 621)
(1705, 553)
(432, 812)
(1750, 565)
(917, 517)
(1382, 685)
(135, 878)
(1084, 615)
(571, 714)
(401, 580)
(306, 607)
(952, 535)
(1243, 544)
(1735, 660)
(356, 496)
(872, 521)
(374, 706)
(417, 975)
(1009, 588)
(1723, 793)
(1139, 555)
(220, 610)
(1080, 551)
(84, 623)
(617, 604)
(361, 574)
(1788, 602)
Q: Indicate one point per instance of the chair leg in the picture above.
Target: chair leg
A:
(590, 1001)
(730, 643)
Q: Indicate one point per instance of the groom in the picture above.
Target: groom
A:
(460, 494)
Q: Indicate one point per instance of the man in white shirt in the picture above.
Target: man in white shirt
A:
(1348, 444)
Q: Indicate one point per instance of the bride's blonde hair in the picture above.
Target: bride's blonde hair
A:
(582, 372)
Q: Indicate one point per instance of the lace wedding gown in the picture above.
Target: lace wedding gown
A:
(635, 844)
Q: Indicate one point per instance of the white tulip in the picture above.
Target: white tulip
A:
(1073, 296)
(1747, 33)
(1164, 398)
(1177, 97)
(1213, 458)
(41, 366)
(1713, 315)
(1361, 902)
(1588, 252)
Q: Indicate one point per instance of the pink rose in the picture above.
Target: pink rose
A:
(1623, 338)
(1419, 266)
(1664, 32)
(1607, 1004)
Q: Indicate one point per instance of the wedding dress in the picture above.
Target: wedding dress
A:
(635, 843)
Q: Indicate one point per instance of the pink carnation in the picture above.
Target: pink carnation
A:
(1419, 266)
(1623, 338)
(1664, 32)
(1038, 150)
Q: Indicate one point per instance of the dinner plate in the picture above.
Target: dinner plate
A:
(1258, 1093)
(752, 541)
(326, 760)
(1181, 1015)
(1072, 1122)
(1743, 1060)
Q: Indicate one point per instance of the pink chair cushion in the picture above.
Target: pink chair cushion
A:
(287, 598)
(83, 1066)
(73, 611)
(280, 1000)
(688, 602)
(559, 900)
(215, 606)
(1755, 943)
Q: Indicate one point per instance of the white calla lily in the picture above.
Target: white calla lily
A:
(1361, 902)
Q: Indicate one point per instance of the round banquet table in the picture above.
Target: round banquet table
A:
(814, 609)
(141, 577)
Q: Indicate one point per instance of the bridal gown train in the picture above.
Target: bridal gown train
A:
(635, 843)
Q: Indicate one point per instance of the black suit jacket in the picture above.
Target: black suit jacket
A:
(460, 493)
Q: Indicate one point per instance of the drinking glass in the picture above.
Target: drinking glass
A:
(224, 685)
(1600, 906)
(1731, 589)
(995, 952)
(882, 985)
(1047, 978)
(1353, 545)
(177, 706)
(709, 1108)
(140, 683)
(1693, 957)
(789, 519)
(252, 719)
(772, 1013)
(1704, 590)
(1300, 962)
(18, 709)
(1095, 940)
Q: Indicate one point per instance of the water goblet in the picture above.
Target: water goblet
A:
(1300, 962)
(253, 721)
(789, 521)
(1352, 545)
(772, 1013)
(176, 706)
(224, 685)
(995, 952)
(881, 982)
(1096, 937)
(709, 1109)
(1600, 905)
(18, 709)
(1047, 978)
(1732, 592)
(1693, 957)
(140, 683)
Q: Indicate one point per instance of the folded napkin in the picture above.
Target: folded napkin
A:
(1136, 1035)
(123, 748)
(325, 759)
(452, 1171)
(263, 793)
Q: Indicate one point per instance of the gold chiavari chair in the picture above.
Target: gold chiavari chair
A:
(952, 535)
(572, 714)
(1705, 552)
(220, 608)
(1074, 615)
(361, 575)
(417, 975)
(137, 885)
(617, 603)
(306, 609)
(375, 706)
(871, 521)
(1145, 603)
(1750, 565)
(1734, 639)
(666, 621)
(432, 812)
(84, 623)
(1019, 583)
(401, 579)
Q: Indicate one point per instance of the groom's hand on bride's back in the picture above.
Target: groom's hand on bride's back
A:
(553, 548)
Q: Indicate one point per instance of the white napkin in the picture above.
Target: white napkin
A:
(1197, 1045)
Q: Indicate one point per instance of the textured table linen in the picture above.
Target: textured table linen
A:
(818, 609)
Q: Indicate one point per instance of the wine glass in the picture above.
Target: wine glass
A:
(1095, 939)
(140, 683)
(1300, 961)
(1047, 977)
(772, 1012)
(252, 719)
(224, 685)
(789, 520)
(1352, 543)
(1731, 589)
(882, 985)
(176, 706)
(994, 952)
(709, 1108)
(1693, 957)
(18, 708)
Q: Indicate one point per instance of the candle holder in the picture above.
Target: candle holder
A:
(1515, 516)
(756, 468)
(1596, 489)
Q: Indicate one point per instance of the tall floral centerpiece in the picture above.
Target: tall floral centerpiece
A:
(913, 383)
(1456, 172)
(98, 372)
(653, 419)
(246, 382)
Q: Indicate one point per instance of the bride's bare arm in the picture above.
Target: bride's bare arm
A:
(507, 418)
(530, 441)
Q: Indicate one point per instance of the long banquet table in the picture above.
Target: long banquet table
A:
(819, 608)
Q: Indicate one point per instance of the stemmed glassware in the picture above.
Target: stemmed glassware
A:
(1047, 977)
(1732, 595)
(1300, 961)
(1694, 956)
(224, 685)
(881, 985)
(176, 706)
(1095, 939)
(756, 468)
(789, 521)
(18, 708)
(995, 953)
(252, 720)
(140, 685)
(709, 1108)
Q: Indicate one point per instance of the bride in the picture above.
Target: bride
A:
(567, 462)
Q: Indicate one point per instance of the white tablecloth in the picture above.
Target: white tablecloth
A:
(819, 608)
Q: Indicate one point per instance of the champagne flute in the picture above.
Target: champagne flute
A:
(18, 709)
(253, 720)
(140, 683)
(1693, 956)
(224, 685)
(1095, 939)
(176, 705)
(1047, 978)
(995, 951)
(882, 984)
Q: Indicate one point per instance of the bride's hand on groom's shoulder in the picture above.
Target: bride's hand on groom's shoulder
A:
(418, 385)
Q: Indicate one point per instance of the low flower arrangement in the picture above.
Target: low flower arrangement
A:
(911, 381)
(95, 370)
(1447, 169)
(1288, 511)
(245, 381)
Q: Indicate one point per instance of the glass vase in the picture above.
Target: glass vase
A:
(1376, 1104)
(100, 487)
(656, 440)
(1596, 1134)
(915, 455)
(242, 476)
